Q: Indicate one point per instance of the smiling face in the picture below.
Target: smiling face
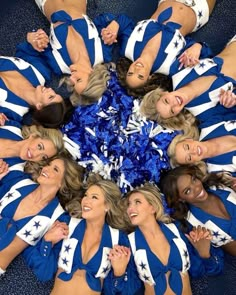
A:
(52, 174)
(138, 74)
(191, 190)
(80, 76)
(46, 96)
(170, 104)
(36, 149)
(93, 203)
(139, 210)
(190, 151)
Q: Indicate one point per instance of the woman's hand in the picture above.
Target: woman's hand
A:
(57, 232)
(119, 257)
(3, 168)
(109, 34)
(227, 98)
(190, 57)
(200, 238)
(39, 40)
(3, 119)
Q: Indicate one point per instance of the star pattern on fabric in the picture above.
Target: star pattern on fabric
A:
(105, 269)
(142, 265)
(215, 233)
(65, 261)
(27, 233)
(200, 14)
(146, 278)
(140, 29)
(35, 239)
(202, 64)
(67, 248)
(9, 195)
(37, 224)
(16, 59)
(176, 44)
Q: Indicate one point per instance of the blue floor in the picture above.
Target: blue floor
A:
(20, 16)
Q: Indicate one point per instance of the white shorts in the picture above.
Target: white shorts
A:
(200, 8)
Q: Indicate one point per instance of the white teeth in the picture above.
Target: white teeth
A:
(133, 214)
(198, 151)
(29, 154)
(44, 174)
(86, 208)
(139, 64)
(178, 100)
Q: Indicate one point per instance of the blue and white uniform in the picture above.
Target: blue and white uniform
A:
(13, 106)
(57, 55)
(172, 45)
(153, 272)
(199, 7)
(43, 259)
(223, 230)
(31, 228)
(206, 107)
(12, 131)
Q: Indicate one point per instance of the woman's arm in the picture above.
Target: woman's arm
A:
(43, 257)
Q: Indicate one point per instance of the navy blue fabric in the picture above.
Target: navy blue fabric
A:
(17, 17)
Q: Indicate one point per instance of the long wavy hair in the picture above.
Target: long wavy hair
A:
(153, 196)
(52, 134)
(112, 195)
(169, 187)
(183, 121)
(156, 80)
(171, 151)
(97, 85)
(72, 182)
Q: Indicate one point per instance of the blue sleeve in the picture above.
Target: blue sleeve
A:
(42, 259)
(126, 24)
(127, 284)
(204, 266)
(39, 60)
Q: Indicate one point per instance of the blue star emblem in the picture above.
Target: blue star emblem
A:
(142, 265)
(140, 29)
(64, 261)
(200, 14)
(105, 269)
(176, 44)
(187, 265)
(35, 239)
(146, 278)
(27, 233)
(67, 248)
(37, 224)
(215, 233)
(9, 195)
(16, 59)
(185, 253)
(202, 64)
(180, 36)
(224, 239)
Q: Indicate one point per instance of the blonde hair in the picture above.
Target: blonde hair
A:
(112, 195)
(97, 85)
(52, 134)
(153, 196)
(183, 121)
(171, 151)
(72, 182)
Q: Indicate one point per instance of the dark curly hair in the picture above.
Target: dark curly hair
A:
(168, 186)
(156, 80)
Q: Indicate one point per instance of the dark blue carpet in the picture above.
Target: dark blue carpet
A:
(17, 17)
